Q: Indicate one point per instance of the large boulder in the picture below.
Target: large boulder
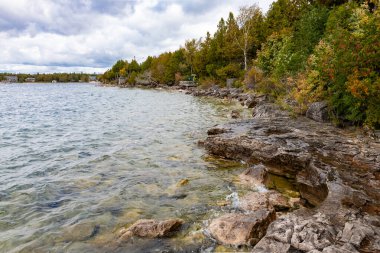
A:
(150, 228)
(318, 111)
(238, 229)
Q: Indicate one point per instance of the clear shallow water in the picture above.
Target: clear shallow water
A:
(77, 162)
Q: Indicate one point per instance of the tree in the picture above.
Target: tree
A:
(191, 47)
(146, 65)
(245, 21)
(118, 66)
(283, 13)
(134, 66)
(231, 49)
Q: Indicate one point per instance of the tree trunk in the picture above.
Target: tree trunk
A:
(245, 60)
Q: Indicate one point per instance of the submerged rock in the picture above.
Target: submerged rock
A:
(241, 229)
(150, 229)
(183, 182)
(80, 232)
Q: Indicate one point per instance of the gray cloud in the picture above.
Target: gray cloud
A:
(92, 34)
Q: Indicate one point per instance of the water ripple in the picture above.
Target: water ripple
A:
(80, 154)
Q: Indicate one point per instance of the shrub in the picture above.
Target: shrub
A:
(253, 76)
(232, 70)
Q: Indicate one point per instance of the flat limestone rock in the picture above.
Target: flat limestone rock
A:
(355, 232)
(254, 201)
(317, 234)
(150, 228)
(241, 229)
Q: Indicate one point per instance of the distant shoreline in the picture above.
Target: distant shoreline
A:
(51, 82)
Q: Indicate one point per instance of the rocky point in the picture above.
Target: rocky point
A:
(336, 171)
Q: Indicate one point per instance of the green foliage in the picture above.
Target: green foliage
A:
(134, 66)
(285, 53)
(132, 77)
(283, 13)
(146, 65)
(253, 77)
(232, 70)
(270, 86)
(118, 66)
(345, 66)
(270, 52)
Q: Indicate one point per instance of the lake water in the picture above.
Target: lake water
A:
(77, 162)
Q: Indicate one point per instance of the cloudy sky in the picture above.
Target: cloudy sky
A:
(90, 35)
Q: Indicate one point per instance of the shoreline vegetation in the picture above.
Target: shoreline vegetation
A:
(299, 52)
(48, 78)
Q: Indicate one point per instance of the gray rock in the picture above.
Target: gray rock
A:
(216, 131)
(251, 102)
(355, 232)
(254, 100)
(304, 234)
(268, 110)
(318, 111)
(235, 114)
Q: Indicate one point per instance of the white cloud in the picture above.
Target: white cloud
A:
(89, 35)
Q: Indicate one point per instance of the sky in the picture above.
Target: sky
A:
(88, 36)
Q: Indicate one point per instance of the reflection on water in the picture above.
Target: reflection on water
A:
(77, 162)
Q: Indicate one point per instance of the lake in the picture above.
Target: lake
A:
(78, 161)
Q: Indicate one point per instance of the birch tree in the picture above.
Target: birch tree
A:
(246, 21)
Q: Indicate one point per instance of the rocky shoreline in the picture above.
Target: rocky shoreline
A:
(336, 172)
